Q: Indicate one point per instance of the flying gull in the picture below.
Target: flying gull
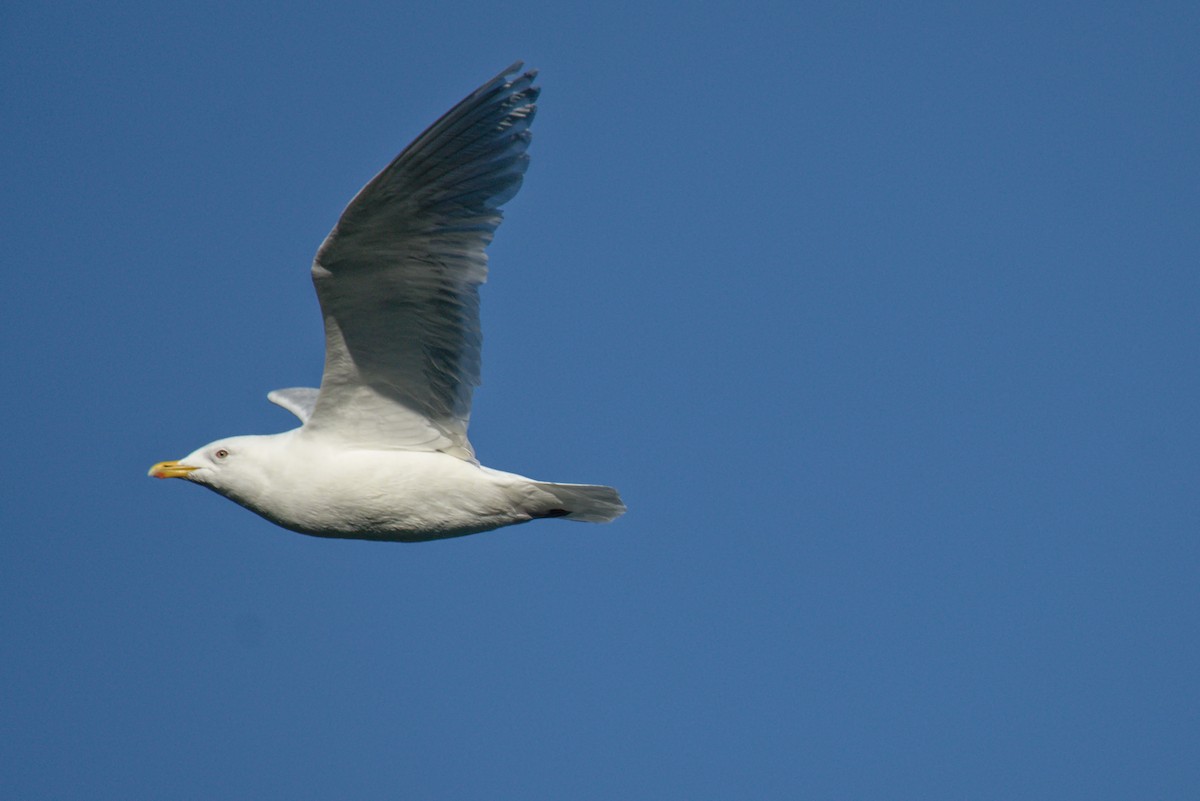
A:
(382, 452)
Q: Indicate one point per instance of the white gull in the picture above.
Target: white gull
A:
(382, 452)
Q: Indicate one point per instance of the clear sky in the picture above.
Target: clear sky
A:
(884, 318)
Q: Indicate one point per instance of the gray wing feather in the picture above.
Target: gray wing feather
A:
(398, 277)
(300, 401)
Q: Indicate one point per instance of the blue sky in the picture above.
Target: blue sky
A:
(883, 318)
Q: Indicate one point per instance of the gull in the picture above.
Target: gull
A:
(382, 450)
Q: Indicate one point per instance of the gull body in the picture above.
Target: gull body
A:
(382, 452)
(296, 481)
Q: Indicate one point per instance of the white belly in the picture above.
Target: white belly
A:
(389, 495)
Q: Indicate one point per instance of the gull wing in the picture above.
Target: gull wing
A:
(300, 401)
(398, 277)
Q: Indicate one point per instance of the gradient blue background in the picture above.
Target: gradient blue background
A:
(883, 317)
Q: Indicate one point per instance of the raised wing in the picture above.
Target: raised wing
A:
(398, 277)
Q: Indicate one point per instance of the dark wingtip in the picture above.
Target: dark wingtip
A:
(515, 68)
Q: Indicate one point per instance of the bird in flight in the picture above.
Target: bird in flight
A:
(382, 450)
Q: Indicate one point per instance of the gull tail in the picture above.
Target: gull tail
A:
(587, 503)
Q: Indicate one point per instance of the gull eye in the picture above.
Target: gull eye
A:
(221, 453)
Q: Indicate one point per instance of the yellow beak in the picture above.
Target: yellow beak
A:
(171, 470)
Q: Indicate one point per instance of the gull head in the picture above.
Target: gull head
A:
(227, 465)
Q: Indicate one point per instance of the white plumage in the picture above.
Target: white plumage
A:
(383, 450)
